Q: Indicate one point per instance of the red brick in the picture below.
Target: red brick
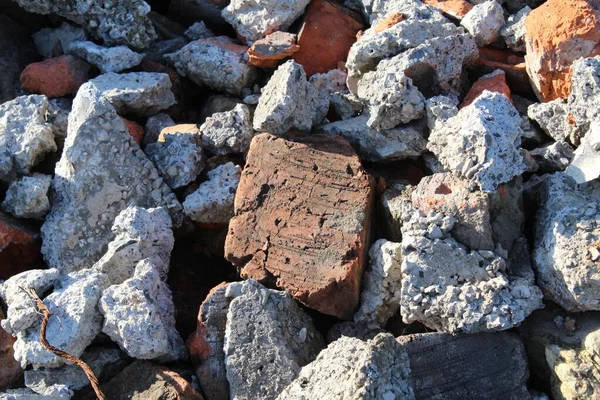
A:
(267, 52)
(328, 32)
(454, 8)
(389, 21)
(511, 63)
(55, 77)
(495, 83)
(10, 371)
(19, 247)
(302, 216)
(135, 130)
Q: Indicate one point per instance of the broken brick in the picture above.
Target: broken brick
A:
(454, 8)
(302, 216)
(389, 21)
(55, 77)
(19, 247)
(135, 130)
(267, 52)
(494, 82)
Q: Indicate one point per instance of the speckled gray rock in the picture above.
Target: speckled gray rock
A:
(178, 155)
(54, 42)
(217, 62)
(228, 132)
(154, 125)
(256, 19)
(482, 142)
(74, 323)
(126, 23)
(565, 253)
(21, 313)
(25, 136)
(484, 22)
(439, 109)
(212, 202)
(451, 289)
(376, 10)
(584, 100)
(552, 118)
(586, 162)
(393, 205)
(351, 369)
(346, 104)
(331, 82)
(140, 93)
(27, 197)
(380, 293)
(64, 380)
(139, 315)
(139, 234)
(91, 189)
(387, 145)
(198, 30)
(268, 338)
(28, 394)
(107, 59)
(289, 101)
(553, 157)
(58, 116)
(514, 30)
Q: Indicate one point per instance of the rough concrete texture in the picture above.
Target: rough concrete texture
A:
(451, 289)
(388, 145)
(58, 115)
(27, 197)
(154, 125)
(267, 52)
(217, 62)
(482, 142)
(228, 132)
(91, 189)
(553, 157)
(566, 253)
(513, 32)
(586, 161)
(392, 207)
(289, 101)
(302, 214)
(140, 93)
(268, 338)
(484, 22)
(107, 59)
(212, 202)
(552, 117)
(69, 378)
(353, 329)
(28, 394)
(139, 234)
(178, 154)
(350, 368)
(74, 323)
(21, 313)
(345, 104)
(139, 315)
(584, 99)
(256, 19)
(25, 136)
(376, 10)
(563, 350)
(439, 109)
(126, 23)
(380, 294)
(558, 33)
(331, 82)
(54, 42)
(442, 366)
(198, 30)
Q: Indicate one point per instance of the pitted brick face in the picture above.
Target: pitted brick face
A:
(302, 213)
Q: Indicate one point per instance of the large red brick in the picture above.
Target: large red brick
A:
(55, 77)
(328, 32)
(267, 52)
(302, 215)
(19, 247)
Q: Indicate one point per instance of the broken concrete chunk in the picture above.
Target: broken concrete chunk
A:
(376, 10)
(380, 295)
(289, 101)
(268, 338)
(484, 22)
(358, 330)
(388, 145)
(212, 202)
(553, 157)
(178, 154)
(393, 205)
(482, 142)
(127, 24)
(345, 104)
(443, 366)
(228, 132)
(198, 30)
(584, 100)
(92, 189)
(217, 62)
(54, 42)
(566, 253)
(21, 313)
(454, 8)
(74, 323)
(139, 234)
(552, 117)
(586, 162)
(451, 289)
(267, 52)
(317, 190)
(154, 125)
(28, 394)
(140, 93)
(25, 136)
(140, 317)
(350, 368)
(107, 59)
(27, 197)
(255, 20)
(514, 30)
(439, 109)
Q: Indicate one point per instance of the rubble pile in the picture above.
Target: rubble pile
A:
(301, 199)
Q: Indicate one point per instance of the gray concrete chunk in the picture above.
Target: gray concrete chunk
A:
(107, 59)
(228, 132)
(27, 197)
(514, 30)
(484, 22)
(552, 118)
(54, 42)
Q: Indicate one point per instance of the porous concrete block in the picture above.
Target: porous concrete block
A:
(552, 117)
(107, 59)
(514, 30)
(553, 157)
(484, 22)
(584, 100)
(27, 197)
(585, 166)
(228, 132)
(198, 30)
(54, 42)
